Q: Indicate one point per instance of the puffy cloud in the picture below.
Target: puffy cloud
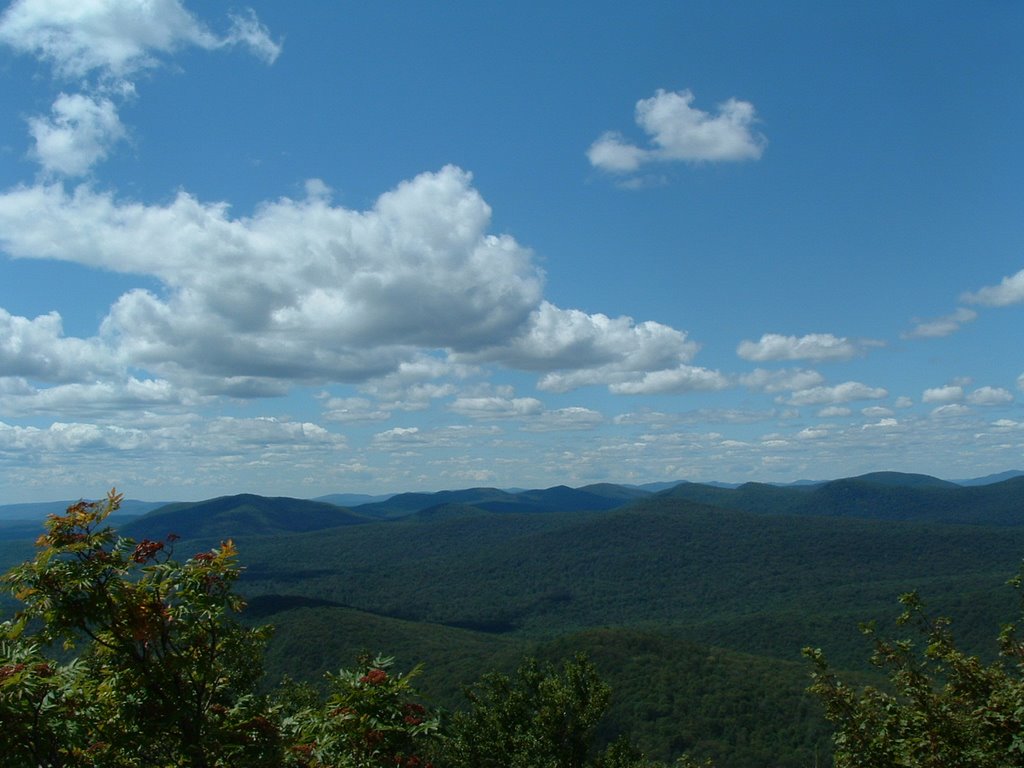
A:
(834, 411)
(840, 393)
(581, 349)
(813, 346)
(684, 378)
(300, 290)
(118, 37)
(69, 437)
(77, 135)
(941, 326)
(680, 132)
(556, 338)
(416, 382)
(37, 349)
(267, 430)
(399, 437)
(990, 396)
(876, 411)
(219, 437)
(496, 407)
(951, 393)
(779, 381)
(1009, 291)
(131, 394)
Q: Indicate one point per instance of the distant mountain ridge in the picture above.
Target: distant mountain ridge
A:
(879, 495)
(995, 499)
(243, 514)
(38, 510)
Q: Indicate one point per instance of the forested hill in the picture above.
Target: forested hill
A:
(881, 496)
(244, 514)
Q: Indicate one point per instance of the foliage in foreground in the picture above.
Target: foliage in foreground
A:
(944, 708)
(165, 676)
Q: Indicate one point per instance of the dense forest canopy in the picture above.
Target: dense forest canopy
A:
(120, 651)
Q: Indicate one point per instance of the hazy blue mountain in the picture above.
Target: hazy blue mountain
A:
(879, 495)
(904, 480)
(990, 479)
(244, 514)
(39, 510)
(559, 498)
(352, 499)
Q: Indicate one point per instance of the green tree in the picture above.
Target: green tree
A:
(165, 673)
(943, 708)
(542, 718)
(372, 719)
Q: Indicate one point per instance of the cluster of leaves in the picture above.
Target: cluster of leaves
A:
(371, 718)
(943, 707)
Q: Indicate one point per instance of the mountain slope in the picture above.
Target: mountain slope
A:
(881, 495)
(805, 580)
(560, 498)
(244, 514)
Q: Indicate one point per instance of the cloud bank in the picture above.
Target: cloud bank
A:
(306, 291)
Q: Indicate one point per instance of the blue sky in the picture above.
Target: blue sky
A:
(305, 248)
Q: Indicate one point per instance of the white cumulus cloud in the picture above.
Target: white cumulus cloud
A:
(497, 407)
(300, 290)
(684, 378)
(680, 132)
(782, 380)
(813, 346)
(950, 393)
(401, 298)
(78, 134)
(581, 349)
(990, 396)
(38, 349)
(1010, 290)
(840, 393)
(117, 38)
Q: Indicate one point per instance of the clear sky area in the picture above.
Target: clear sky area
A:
(317, 247)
